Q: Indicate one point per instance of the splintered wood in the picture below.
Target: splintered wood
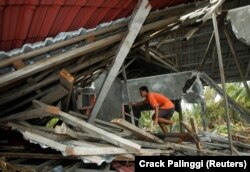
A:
(137, 131)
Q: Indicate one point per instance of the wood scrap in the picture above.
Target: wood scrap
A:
(137, 131)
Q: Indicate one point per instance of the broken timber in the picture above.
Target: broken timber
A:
(137, 131)
(106, 136)
(136, 23)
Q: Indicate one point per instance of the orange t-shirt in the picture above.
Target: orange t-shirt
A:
(156, 99)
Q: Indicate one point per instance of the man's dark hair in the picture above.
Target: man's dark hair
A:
(144, 88)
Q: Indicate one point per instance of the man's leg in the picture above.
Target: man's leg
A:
(163, 128)
(165, 121)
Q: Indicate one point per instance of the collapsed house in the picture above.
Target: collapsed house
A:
(83, 80)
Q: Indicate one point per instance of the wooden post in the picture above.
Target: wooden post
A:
(128, 94)
(67, 81)
(217, 39)
(139, 16)
(194, 128)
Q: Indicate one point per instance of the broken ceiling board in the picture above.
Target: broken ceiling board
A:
(30, 114)
(106, 136)
(58, 59)
(240, 22)
(137, 131)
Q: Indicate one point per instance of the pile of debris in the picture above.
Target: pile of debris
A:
(115, 141)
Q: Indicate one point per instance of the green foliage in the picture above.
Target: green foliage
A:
(145, 122)
(215, 111)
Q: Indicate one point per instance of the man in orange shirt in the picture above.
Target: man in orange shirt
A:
(164, 108)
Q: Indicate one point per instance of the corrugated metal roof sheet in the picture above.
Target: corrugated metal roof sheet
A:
(28, 21)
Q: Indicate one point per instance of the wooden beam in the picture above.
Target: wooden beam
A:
(205, 56)
(58, 59)
(169, 66)
(67, 81)
(137, 21)
(128, 94)
(45, 82)
(195, 131)
(97, 121)
(212, 10)
(155, 152)
(137, 131)
(222, 76)
(22, 103)
(185, 125)
(106, 136)
(92, 158)
(31, 114)
(55, 95)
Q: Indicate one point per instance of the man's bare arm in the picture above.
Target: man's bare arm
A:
(139, 103)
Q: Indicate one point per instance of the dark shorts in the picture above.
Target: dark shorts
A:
(166, 113)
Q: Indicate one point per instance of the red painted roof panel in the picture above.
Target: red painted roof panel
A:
(28, 21)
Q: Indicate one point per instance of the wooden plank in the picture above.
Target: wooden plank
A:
(185, 125)
(45, 164)
(65, 130)
(137, 131)
(225, 140)
(106, 136)
(83, 151)
(205, 56)
(31, 114)
(155, 152)
(45, 82)
(58, 59)
(95, 159)
(67, 81)
(195, 131)
(55, 95)
(138, 18)
(22, 103)
(97, 121)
